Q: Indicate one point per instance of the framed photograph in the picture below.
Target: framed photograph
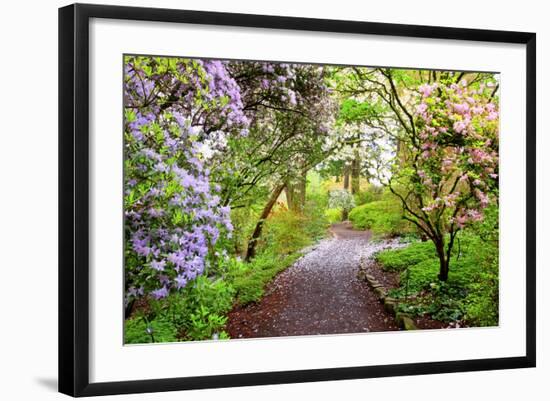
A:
(251, 199)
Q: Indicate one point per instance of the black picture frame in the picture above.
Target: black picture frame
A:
(74, 198)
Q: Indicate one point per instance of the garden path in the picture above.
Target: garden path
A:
(319, 294)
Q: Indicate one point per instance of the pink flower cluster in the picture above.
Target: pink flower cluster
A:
(457, 141)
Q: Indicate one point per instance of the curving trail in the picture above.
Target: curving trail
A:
(319, 294)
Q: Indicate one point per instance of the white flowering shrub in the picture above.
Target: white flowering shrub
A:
(341, 199)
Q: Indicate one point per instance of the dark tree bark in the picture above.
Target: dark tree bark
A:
(290, 196)
(355, 173)
(345, 214)
(129, 308)
(443, 260)
(251, 249)
(346, 177)
(301, 191)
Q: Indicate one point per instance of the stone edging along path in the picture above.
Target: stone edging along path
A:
(403, 320)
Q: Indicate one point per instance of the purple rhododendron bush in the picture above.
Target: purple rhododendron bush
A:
(232, 167)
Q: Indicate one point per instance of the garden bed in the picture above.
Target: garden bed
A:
(384, 284)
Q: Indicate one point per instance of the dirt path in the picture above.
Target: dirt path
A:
(319, 294)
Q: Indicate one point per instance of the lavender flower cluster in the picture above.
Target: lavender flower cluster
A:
(173, 215)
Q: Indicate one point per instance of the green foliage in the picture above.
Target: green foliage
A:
(284, 232)
(314, 184)
(487, 229)
(372, 194)
(199, 309)
(139, 330)
(400, 259)
(333, 215)
(353, 110)
(381, 217)
(316, 221)
(481, 303)
(249, 280)
(244, 221)
(471, 291)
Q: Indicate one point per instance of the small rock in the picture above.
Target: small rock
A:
(399, 316)
(408, 324)
(390, 304)
(371, 281)
(380, 292)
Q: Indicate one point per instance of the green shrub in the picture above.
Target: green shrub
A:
(471, 291)
(419, 276)
(481, 303)
(399, 259)
(243, 220)
(284, 232)
(250, 279)
(199, 309)
(138, 330)
(381, 217)
(487, 229)
(372, 194)
(333, 215)
(316, 222)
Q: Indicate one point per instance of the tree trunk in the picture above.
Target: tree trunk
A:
(443, 261)
(290, 197)
(443, 269)
(355, 173)
(345, 214)
(346, 177)
(296, 193)
(301, 191)
(251, 249)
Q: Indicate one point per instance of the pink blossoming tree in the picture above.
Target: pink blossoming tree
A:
(446, 172)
